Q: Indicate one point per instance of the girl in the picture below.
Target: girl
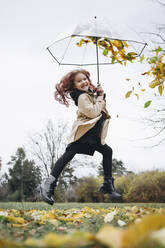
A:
(88, 131)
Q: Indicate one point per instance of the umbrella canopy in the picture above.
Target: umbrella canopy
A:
(91, 42)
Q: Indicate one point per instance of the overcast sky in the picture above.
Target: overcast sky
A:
(28, 73)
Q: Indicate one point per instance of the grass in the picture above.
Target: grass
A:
(70, 205)
(80, 220)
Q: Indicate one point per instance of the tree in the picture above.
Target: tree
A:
(154, 60)
(46, 147)
(24, 177)
(3, 188)
(117, 168)
(86, 190)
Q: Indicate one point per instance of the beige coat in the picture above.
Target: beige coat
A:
(89, 112)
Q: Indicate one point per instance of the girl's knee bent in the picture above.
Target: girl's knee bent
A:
(107, 150)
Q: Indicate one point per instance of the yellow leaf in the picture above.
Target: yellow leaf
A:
(128, 94)
(118, 44)
(141, 230)
(33, 242)
(161, 88)
(132, 53)
(111, 236)
(125, 43)
(18, 225)
(153, 84)
(146, 73)
(141, 58)
(52, 239)
(143, 90)
(18, 220)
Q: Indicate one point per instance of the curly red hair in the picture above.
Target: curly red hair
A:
(66, 86)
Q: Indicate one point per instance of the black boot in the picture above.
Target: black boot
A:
(47, 189)
(108, 188)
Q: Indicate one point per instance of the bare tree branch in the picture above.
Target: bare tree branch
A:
(47, 146)
(159, 35)
(163, 4)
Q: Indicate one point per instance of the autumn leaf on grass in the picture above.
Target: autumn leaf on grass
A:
(109, 217)
(30, 242)
(140, 231)
(8, 244)
(111, 236)
(121, 223)
(77, 239)
(13, 219)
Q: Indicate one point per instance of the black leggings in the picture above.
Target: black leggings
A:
(105, 150)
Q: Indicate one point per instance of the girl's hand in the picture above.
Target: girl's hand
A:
(99, 90)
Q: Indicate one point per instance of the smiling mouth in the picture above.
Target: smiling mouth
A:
(84, 86)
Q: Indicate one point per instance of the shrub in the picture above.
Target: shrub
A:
(146, 187)
(87, 190)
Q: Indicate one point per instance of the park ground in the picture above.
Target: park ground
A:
(32, 225)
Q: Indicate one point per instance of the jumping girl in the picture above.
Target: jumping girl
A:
(88, 131)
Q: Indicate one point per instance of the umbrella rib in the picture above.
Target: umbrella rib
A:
(59, 40)
(52, 55)
(143, 49)
(89, 64)
(65, 50)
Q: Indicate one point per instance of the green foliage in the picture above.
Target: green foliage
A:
(117, 50)
(122, 183)
(24, 177)
(117, 168)
(65, 181)
(146, 187)
(87, 190)
(147, 104)
(3, 188)
(143, 187)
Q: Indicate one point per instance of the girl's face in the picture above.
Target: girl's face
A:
(81, 82)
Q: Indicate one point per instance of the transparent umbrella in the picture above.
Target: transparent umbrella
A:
(96, 42)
